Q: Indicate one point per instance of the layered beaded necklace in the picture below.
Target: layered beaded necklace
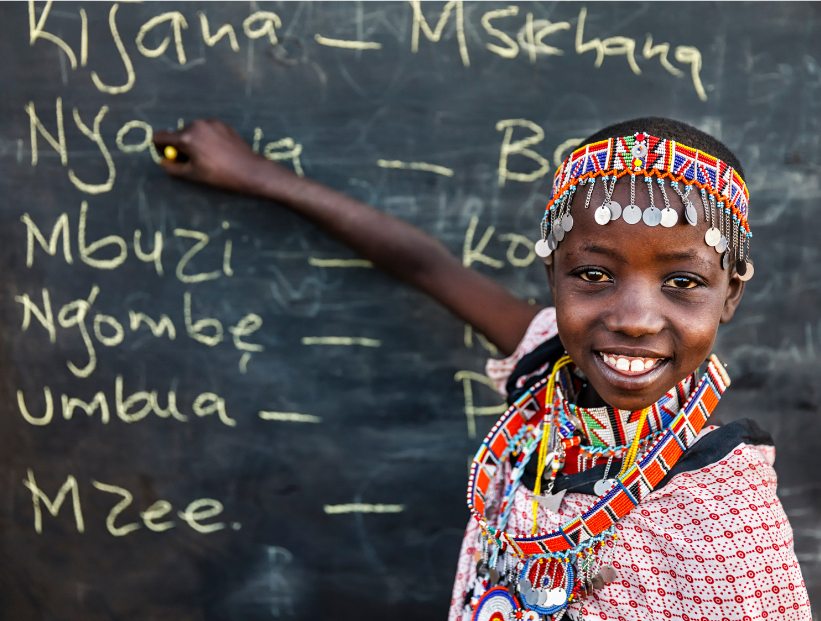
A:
(548, 570)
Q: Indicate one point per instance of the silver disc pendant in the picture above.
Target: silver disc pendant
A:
(631, 214)
(722, 244)
(602, 215)
(748, 272)
(558, 233)
(556, 597)
(602, 486)
(712, 236)
(551, 241)
(542, 249)
(669, 217)
(690, 213)
(651, 216)
(615, 210)
(567, 222)
(725, 260)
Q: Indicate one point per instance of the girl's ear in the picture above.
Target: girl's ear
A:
(734, 292)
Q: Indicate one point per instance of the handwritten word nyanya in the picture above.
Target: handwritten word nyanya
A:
(201, 515)
(97, 328)
(134, 136)
(129, 408)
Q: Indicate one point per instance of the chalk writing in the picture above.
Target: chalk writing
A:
(341, 340)
(118, 247)
(510, 31)
(126, 407)
(95, 327)
(290, 417)
(200, 514)
(347, 44)
(359, 507)
(420, 24)
(317, 262)
(423, 166)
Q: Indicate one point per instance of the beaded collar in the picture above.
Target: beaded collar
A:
(551, 569)
(605, 428)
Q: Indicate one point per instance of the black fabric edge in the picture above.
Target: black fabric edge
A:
(708, 450)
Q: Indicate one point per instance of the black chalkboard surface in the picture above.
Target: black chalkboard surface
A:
(212, 411)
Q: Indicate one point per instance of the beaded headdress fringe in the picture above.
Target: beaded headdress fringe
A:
(717, 186)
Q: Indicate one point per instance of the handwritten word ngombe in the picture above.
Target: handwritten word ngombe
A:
(96, 327)
(200, 514)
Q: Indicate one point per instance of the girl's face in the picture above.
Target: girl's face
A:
(638, 307)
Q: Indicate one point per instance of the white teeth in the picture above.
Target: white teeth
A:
(629, 363)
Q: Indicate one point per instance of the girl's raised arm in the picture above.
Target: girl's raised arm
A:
(214, 154)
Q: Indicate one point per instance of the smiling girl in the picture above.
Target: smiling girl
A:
(606, 490)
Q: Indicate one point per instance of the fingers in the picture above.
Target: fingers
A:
(176, 168)
(173, 147)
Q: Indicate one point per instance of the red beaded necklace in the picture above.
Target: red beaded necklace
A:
(583, 534)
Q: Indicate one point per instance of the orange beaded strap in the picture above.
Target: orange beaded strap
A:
(629, 488)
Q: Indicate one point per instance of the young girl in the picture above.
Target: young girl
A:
(605, 491)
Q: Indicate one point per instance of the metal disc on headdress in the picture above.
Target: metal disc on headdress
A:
(669, 217)
(631, 214)
(615, 210)
(691, 213)
(722, 244)
(542, 249)
(712, 236)
(651, 216)
(725, 260)
(602, 215)
(558, 233)
(748, 270)
(551, 241)
(567, 222)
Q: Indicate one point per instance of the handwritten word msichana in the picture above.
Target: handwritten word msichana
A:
(201, 515)
(98, 328)
(508, 33)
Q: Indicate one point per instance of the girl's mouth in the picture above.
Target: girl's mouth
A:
(629, 365)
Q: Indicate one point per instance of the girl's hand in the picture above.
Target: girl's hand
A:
(213, 153)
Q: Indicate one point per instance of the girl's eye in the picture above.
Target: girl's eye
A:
(681, 282)
(594, 275)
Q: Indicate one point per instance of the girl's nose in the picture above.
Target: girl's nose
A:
(635, 312)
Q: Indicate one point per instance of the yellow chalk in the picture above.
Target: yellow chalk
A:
(170, 153)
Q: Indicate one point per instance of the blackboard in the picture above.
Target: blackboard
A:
(312, 461)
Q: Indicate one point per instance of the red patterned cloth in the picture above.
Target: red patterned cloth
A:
(713, 544)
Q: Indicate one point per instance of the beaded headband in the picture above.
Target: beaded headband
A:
(722, 192)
